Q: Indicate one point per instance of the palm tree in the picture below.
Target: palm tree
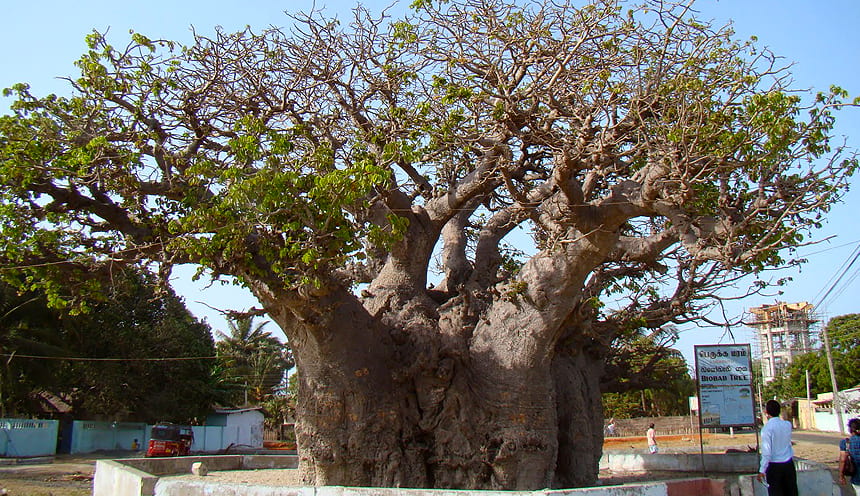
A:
(244, 338)
(254, 361)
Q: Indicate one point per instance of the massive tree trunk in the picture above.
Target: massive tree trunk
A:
(396, 390)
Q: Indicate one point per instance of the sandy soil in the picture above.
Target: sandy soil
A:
(67, 476)
(286, 477)
(824, 449)
(72, 476)
(826, 454)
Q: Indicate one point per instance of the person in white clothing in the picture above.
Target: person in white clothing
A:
(651, 435)
(777, 455)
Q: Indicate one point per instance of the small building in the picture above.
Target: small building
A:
(243, 427)
(819, 413)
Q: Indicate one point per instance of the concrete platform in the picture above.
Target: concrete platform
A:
(138, 476)
(728, 474)
(681, 487)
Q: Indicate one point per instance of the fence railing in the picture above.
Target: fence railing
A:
(677, 425)
(282, 432)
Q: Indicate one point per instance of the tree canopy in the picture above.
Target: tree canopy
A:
(285, 158)
(645, 377)
(653, 159)
(97, 362)
(25, 328)
(253, 361)
(844, 334)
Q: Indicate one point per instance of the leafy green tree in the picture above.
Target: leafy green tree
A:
(276, 408)
(26, 328)
(254, 362)
(844, 334)
(645, 377)
(124, 341)
(280, 408)
(653, 158)
(243, 337)
(140, 320)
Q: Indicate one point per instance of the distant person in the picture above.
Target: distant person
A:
(850, 446)
(777, 455)
(651, 435)
(135, 445)
(610, 429)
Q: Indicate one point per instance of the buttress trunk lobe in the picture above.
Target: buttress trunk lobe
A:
(580, 419)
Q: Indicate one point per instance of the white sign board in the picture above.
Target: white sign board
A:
(724, 376)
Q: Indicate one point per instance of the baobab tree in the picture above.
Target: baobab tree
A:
(331, 167)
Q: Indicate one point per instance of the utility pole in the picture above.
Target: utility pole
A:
(837, 403)
(7, 375)
(809, 414)
(2, 402)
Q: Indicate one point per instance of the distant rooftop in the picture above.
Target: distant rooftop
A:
(781, 311)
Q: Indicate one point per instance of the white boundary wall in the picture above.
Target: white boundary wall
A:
(829, 422)
(214, 438)
(26, 437)
(211, 439)
(136, 477)
(195, 488)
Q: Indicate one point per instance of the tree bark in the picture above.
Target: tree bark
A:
(576, 374)
(401, 398)
(356, 416)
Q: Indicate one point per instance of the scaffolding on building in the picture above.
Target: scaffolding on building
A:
(783, 331)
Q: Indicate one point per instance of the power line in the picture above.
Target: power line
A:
(85, 359)
(831, 248)
(841, 275)
(847, 284)
(841, 267)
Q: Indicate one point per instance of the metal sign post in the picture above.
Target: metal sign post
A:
(724, 381)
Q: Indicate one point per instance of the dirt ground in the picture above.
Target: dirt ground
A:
(72, 476)
(824, 449)
(67, 476)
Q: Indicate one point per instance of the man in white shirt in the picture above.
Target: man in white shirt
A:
(777, 455)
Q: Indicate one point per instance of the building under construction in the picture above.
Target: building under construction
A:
(784, 331)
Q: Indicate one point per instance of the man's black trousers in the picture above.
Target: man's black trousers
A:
(782, 479)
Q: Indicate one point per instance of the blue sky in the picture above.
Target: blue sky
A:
(41, 40)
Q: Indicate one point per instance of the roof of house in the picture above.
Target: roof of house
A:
(52, 403)
(229, 411)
